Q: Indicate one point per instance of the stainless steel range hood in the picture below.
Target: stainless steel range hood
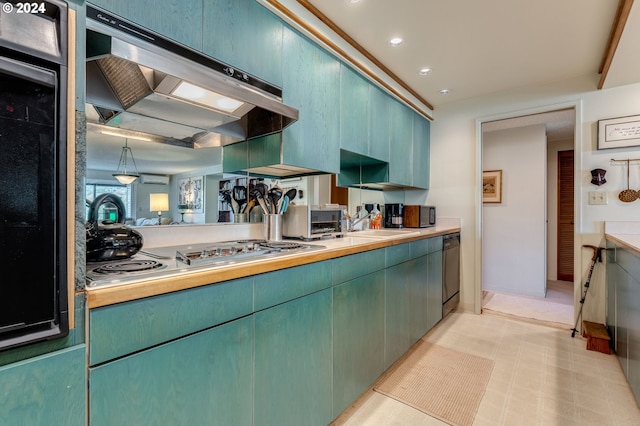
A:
(141, 82)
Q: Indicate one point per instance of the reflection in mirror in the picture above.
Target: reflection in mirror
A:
(162, 168)
(198, 190)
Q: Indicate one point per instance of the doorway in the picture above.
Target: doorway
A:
(547, 293)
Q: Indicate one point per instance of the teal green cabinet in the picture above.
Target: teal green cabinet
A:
(612, 277)
(400, 144)
(358, 337)
(311, 83)
(121, 329)
(46, 390)
(245, 35)
(413, 294)
(434, 287)
(379, 123)
(293, 362)
(354, 112)
(397, 254)
(421, 151)
(178, 20)
(205, 378)
(277, 287)
(623, 312)
(356, 265)
(418, 277)
(398, 311)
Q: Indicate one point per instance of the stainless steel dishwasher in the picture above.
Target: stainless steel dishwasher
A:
(450, 273)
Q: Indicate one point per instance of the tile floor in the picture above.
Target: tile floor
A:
(541, 376)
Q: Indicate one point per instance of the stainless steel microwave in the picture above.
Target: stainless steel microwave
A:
(419, 216)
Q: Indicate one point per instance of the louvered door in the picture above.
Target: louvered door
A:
(565, 215)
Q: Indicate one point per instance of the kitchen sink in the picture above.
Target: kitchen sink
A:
(354, 241)
(383, 233)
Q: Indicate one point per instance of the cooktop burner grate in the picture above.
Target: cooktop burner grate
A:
(128, 267)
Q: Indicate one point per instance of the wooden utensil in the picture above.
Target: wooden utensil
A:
(628, 195)
(249, 206)
(258, 196)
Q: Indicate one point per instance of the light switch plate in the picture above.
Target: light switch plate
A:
(597, 197)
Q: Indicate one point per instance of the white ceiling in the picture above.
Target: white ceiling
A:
(477, 48)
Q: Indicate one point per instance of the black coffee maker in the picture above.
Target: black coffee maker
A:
(393, 215)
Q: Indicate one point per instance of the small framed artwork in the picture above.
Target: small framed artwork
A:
(619, 132)
(492, 186)
(191, 194)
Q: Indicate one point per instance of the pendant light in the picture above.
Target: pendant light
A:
(122, 175)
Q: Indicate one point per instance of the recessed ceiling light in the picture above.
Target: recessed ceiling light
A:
(424, 71)
(352, 1)
(444, 91)
(396, 41)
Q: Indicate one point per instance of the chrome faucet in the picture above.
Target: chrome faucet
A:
(354, 221)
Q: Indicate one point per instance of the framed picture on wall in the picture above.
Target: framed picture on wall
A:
(619, 132)
(492, 186)
(191, 193)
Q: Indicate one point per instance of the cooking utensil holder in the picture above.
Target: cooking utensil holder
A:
(273, 227)
(241, 217)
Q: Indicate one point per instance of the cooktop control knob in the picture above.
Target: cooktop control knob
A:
(230, 71)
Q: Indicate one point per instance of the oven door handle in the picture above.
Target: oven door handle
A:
(29, 72)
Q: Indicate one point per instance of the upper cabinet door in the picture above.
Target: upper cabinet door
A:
(245, 35)
(379, 124)
(311, 83)
(178, 20)
(354, 111)
(421, 153)
(400, 144)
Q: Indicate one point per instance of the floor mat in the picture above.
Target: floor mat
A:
(441, 382)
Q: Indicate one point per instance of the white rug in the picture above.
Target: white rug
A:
(531, 308)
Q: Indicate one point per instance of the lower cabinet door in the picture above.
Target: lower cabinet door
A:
(434, 289)
(398, 283)
(358, 337)
(418, 298)
(293, 362)
(205, 378)
(623, 296)
(46, 390)
(633, 338)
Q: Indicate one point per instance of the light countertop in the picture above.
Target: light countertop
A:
(625, 234)
(352, 243)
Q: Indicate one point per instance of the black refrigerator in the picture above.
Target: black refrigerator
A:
(33, 173)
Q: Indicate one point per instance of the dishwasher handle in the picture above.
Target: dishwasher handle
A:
(450, 241)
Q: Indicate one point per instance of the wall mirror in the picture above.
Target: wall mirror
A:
(198, 190)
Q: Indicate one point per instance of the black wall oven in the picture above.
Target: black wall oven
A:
(33, 172)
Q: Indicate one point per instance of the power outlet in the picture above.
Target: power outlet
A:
(597, 197)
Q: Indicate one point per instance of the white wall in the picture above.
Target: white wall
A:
(514, 231)
(552, 204)
(455, 170)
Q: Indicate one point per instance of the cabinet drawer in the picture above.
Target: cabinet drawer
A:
(397, 254)
(356, 265)
(423, 247)
(435, 244)
(278, 287)
(124, 328)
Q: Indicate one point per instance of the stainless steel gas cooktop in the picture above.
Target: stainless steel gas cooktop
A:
(164, 262)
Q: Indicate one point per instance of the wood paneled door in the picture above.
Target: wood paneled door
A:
(565, 215)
